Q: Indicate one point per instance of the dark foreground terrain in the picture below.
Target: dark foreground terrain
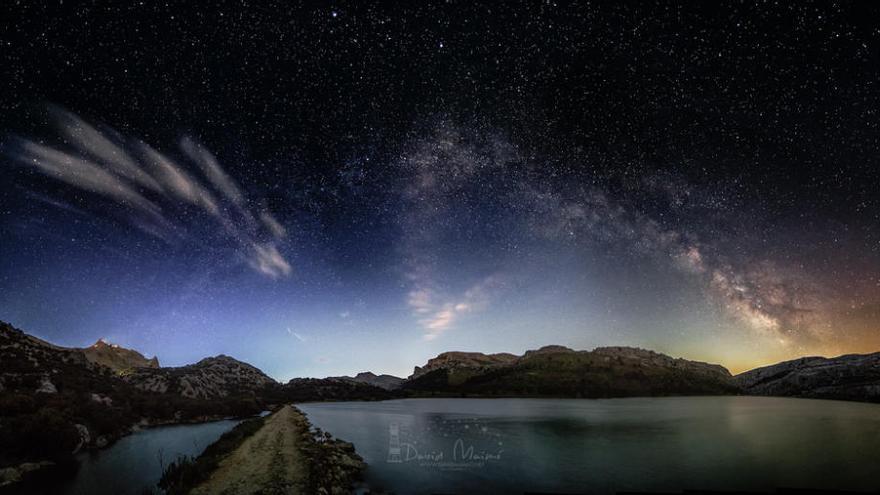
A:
(56, 401)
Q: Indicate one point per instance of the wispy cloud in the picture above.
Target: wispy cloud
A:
(266, 259)
(212, 170)
(273, 225)
(295, 335)
(436, 314)
(156, 192)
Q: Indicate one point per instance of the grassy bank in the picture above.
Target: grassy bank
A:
(281, 453)
(185, 473)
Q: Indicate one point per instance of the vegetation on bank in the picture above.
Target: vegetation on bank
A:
(326, 389)
(333, 464)
(185, 473)
(321, 464)
(43, 426)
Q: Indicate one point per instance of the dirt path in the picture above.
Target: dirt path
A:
(268, 462)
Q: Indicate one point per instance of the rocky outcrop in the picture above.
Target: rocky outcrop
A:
(333, 464)
(84, 437)
(387, 382)
(548, 349)
(117, 358)
(214, 377)
(850, 377)
(647, 359)
(463, 360)
(15, 474)
(46, 386)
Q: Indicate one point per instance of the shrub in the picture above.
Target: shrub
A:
(46, 434)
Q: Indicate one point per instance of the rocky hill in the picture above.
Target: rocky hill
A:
(321, 389)
(850, 377)
(31, 365)
(387, 382)
(55, 401)
(210, 378)
(463, 361)
(562, 372)
(117, 358)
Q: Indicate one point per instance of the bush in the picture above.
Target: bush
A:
(46, 434)
(14, 404)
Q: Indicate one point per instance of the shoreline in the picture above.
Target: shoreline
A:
(277, 453)
(312, 442)
(19, 476)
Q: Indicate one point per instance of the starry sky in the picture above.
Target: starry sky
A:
(322, 188)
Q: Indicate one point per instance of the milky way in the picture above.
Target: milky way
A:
(325, 190)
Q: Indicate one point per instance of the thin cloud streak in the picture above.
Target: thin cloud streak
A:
(156, 190)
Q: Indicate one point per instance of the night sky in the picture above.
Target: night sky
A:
(322, 189)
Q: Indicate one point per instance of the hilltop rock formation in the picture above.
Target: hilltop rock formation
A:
(849, 377)
(117, 358)
(463, 361)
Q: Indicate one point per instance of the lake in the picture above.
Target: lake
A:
(578, 445)
(135, 462)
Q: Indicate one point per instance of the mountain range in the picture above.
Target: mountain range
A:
(55, 400)
(387, 382)
(562, 372)
(849, 377)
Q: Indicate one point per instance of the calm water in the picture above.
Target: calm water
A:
(135, 462)
(516, 445)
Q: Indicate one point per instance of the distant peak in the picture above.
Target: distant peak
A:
(223, 359)
(102, 342)
(549, 349)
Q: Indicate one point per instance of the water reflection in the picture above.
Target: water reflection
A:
(719, 443)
